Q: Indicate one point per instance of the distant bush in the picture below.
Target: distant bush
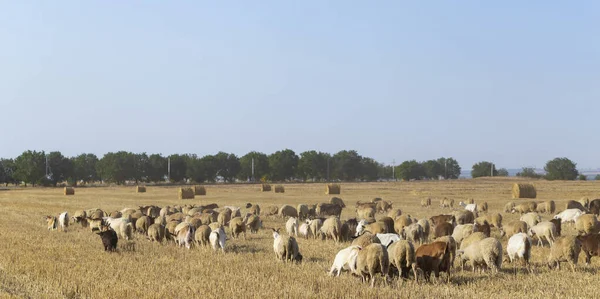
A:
(528, 172)
(597, 178)
(582, 177)
(502, 172)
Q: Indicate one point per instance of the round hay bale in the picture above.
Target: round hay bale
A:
(186, 193)
(279, 189)
(140, 189)
(333, 189)
(524, 191)
(265, 188)
(199, 190)
(69, 191)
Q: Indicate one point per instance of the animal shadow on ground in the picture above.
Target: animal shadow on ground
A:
(243, 249)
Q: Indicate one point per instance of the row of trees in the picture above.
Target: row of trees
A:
(555, 169)
(284, 165)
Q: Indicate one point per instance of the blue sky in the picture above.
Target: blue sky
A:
(512, 82)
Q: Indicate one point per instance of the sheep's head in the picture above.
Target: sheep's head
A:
(275, 233)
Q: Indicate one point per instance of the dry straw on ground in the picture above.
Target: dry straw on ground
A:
(333, 189)
(265, 187)
(186, 193)
(199, 190)
(69, 191)
(520, 190)
(140, 189)
(279, 189)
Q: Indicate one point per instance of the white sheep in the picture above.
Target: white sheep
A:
(285, 247)
(387, 239)
(291, 226)
(462, 231)
(487, 252)
(545, 230)
(469, 207)
(519, 247)
(531, 218)
(122, 226)
(217, 239)
(304, 229)
(185, 234)
(342, 258)
(370, 260)
(63, 221)
(569, 215)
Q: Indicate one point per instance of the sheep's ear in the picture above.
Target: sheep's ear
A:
(278, 230)
(273, 230)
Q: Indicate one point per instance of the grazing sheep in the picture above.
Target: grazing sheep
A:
(452, 247)
(435, 220)
(52, 223)
(193, 221)
(63, 221)
(426, 228)
(472, 238)
(365, 212)
(383, 206)
(315, 226)
(462, 231)
(545, 230)
(564, 249)
(401, 222)
(426, 202)
(109, 238)
(95, 214)
(557, 225)
(80, 216)
(494, 220)
(394, 213)
(302, 211)
(365, 239)
(376, 199)
(342, 258)
(337, 201)
(586, 224)
(272, 210)
(348, 229)
(254, 209)
(156, 232)
(117, 214)
(573, 204)
(526, 207)
(369, 261)
(253, 223)
(175, 217)
(202, 235)
(217, 239)
(388, 238)
(312, 210)
(487, 252)
(531, 218)
(328, 209)
(208, 217)
(508, 207)
(375, 227)
(122, 226)
(185, 234)
(224, 216)
(594, 207)
(304, 230)
(519, 247)
(388, 223)
(143, 223)
(548, 207)
(285, 248)
(569, 215)
(291, 226)
(237, 227)
(413, 233)
(469, 207)
(288, 211)
(170, 230)
(585, 201)
(464, 216)
(447, 203)
(433, 258)
(331, 229)
(443, 229)
(514, 227)
(235, 211)
(484, 228)
(482, 208)
(590, 245)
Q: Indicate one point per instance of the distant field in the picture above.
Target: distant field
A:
(37, 263)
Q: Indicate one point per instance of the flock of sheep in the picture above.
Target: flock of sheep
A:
(393, 243)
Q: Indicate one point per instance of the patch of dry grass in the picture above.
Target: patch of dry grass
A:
(37, 263)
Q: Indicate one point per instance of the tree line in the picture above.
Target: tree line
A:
(32, 167)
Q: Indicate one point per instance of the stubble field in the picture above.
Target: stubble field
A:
(37, 263)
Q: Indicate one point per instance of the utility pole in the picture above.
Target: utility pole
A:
(445, 168)
(492, 171)
(252, 169)
(328, 169)
(394, 169)
(169, 169)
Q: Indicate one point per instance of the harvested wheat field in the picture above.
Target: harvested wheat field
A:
(36, 262)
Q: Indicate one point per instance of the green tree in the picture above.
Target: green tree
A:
(483, 169)
(369, 169)
(157, 168)
(84, 168)
(228, 166)
(283, 164)
(211, 168)
(61, 168)
(312, 165)
(141, 163)
(7, 172)
(528, 172)
(410, 170)
(502, 172)
(178, 167)
(561, 169)
(450, 167)
(261, 166)
(597, 178)
(30, 167)
(347, 165)
(433, 169)
(116, 167)
(196, 169)
(582, 177)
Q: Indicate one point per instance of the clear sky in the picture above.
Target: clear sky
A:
(512, 82)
